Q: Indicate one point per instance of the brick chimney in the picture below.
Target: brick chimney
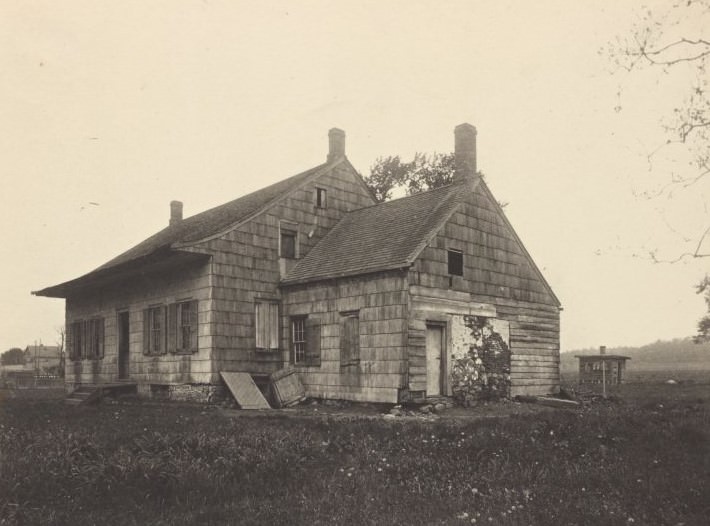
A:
(336, 144)
(464, 151)
(175, 212)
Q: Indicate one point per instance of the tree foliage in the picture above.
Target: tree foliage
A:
(703, 334)
(675, 40)
(14, 356)
(424, 172)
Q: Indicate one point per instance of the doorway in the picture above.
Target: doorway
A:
(434, 359)
(123, 345)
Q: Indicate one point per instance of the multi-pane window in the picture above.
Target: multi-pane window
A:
(182, 337)
(86, 339)
(305, 341)
(455, 261)
(298, 339)
(267, 325)
(186, 326)
(154, 332)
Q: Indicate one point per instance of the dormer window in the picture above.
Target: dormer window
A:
(320, 198)
(455, 262)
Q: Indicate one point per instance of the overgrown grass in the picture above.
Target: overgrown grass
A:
(645, 462)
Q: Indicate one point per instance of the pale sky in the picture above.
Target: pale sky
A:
(132, 104)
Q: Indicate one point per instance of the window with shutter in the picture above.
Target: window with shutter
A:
(86, 339)
(154, 330)
(305, 341)
(350, 339)
(267, 325)
(95, 341)
(183, 321)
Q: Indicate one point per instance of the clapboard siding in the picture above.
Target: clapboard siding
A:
(498, 272)
(246, 266)
(381, 302)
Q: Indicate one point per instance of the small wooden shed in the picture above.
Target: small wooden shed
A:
(602, 368)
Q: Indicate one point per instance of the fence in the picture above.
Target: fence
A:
(28, 380)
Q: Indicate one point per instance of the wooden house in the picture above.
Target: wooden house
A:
(427, 295)
(43, 359)
(602, 368)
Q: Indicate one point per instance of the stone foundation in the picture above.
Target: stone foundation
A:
(199, 393)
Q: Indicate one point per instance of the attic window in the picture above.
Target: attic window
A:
(455, 262)
(320, 198)
(287, 248)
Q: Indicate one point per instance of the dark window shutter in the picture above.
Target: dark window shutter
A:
(344, 342)
(194, 320)
(273, 326)
(101, 338)
(91, 347)
(259, 324)
(354, 339)
(164, 330)
(84, 339)
(174, 342)
(70, 342)
(313, 342)
(350, 340)
(76, 340)
(146, 331)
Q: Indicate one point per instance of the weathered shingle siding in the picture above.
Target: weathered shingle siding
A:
(246, 265)
(134, 296)
(381, 302)
(497, 272)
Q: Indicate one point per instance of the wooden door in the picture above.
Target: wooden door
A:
(123, 345)
(434, 349)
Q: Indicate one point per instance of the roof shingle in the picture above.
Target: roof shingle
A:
(215, 219)
(197, 227)
(380, 237)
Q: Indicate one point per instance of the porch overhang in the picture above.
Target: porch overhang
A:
(154, 263)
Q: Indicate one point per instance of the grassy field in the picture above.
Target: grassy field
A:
(642, 457)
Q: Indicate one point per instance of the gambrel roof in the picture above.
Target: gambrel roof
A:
(385, 236)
